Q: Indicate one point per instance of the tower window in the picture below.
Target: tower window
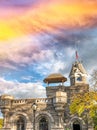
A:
(79, 78)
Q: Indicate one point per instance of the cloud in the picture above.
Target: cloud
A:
(22, 90)
(41, 39)
(42, 47)
(47, 17)
(18, 3)
(31, 51)
(13, 54)
(58, 62)
(28, 78)
(90, 57)
(41, 53)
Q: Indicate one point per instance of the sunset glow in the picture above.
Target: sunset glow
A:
(40, 37)
(47, 17)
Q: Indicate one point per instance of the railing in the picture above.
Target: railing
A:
(44, 100)
(36, 100)
(19, 101)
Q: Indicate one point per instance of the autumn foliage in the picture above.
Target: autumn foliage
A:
(84, 102)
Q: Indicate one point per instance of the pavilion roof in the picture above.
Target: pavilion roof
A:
(55, 78)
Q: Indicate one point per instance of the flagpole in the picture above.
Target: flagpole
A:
(76, 51)
(77, 55)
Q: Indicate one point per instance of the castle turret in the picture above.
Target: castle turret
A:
(55, 78)
(58, 95)
(5, 102)
(5, 105)
(78, 74)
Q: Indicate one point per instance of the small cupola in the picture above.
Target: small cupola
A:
(55, 78)
(55, 84)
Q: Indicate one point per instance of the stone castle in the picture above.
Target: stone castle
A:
(51, 113)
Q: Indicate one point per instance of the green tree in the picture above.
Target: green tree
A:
(85, 103)
(1, 123)
(95, 121)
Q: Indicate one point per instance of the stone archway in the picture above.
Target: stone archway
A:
(43, 124)
(76, 125)
(18, 121)
(45, 119)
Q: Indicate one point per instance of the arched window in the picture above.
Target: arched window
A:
(20, 124)
(76, 125)
(43, 124)
(79, 78)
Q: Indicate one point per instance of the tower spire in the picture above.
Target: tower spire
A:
(78, 74)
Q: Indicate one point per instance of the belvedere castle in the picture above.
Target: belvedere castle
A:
(51, 113)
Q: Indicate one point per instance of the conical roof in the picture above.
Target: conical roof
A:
(81, 68)
(77, 65)
(55, 78)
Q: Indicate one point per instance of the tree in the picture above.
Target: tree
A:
(87, 102)
(84, 103)
(93, 82)
(95, 121)
(1, 123)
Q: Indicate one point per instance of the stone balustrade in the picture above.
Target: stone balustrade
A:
(37, 100)
(44, 100)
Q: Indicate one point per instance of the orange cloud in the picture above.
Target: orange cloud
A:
(47, 17)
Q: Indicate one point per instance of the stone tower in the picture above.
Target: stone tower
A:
(78, 74)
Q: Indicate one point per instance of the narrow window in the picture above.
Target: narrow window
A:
(20, 124)
(43, 124)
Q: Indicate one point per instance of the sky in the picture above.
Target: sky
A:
(40, 37)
